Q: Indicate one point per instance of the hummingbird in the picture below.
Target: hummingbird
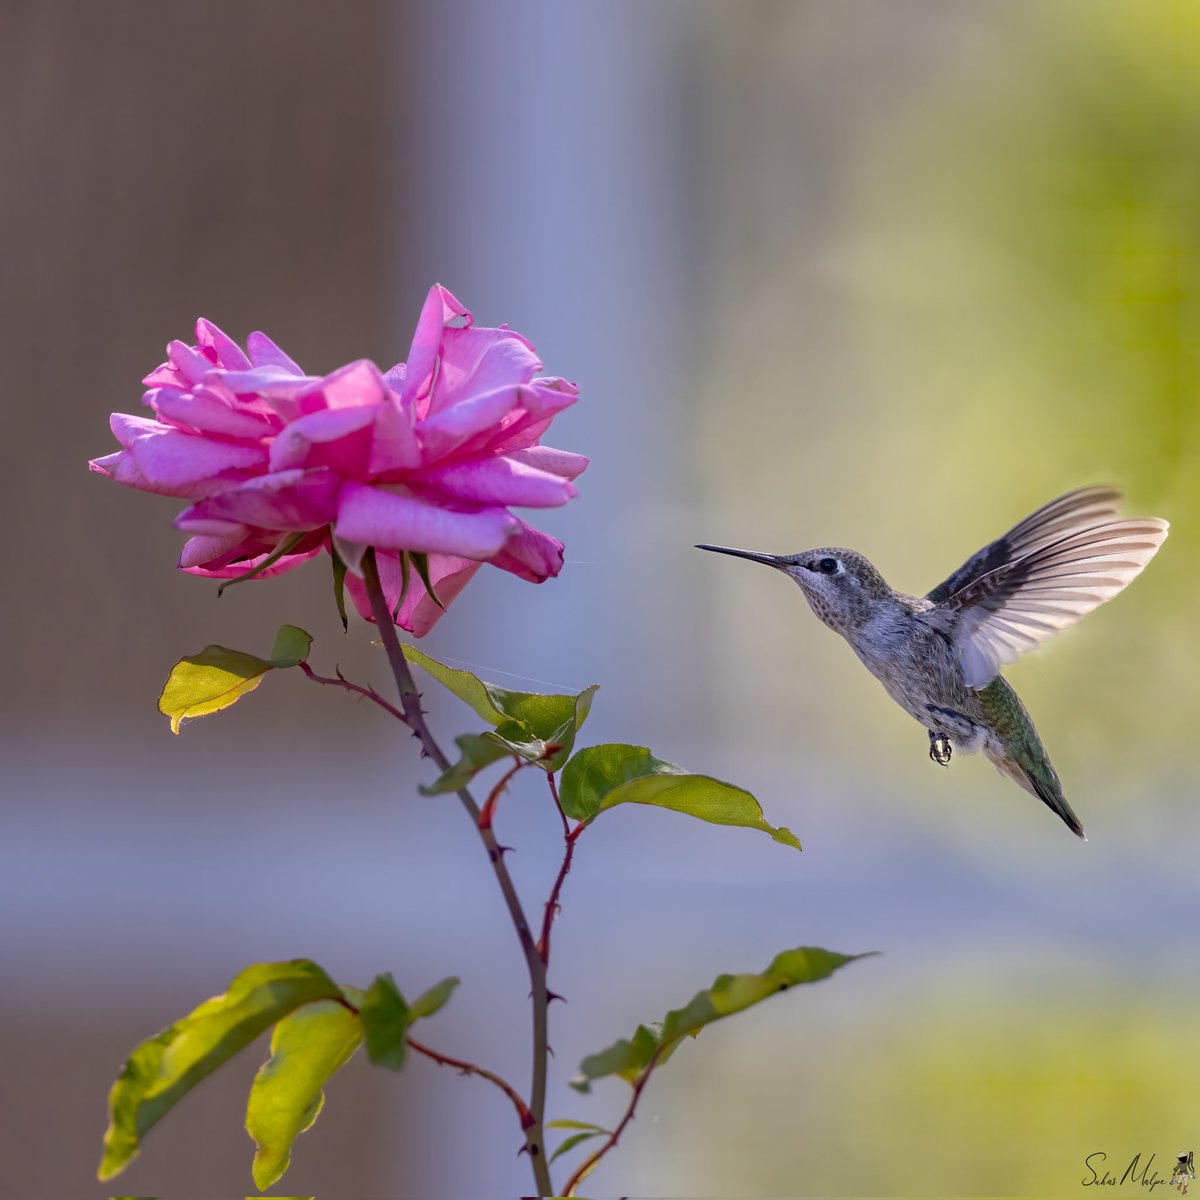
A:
(939, 655)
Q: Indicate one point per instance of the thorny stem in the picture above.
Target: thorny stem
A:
(410, 701)
(488, 813)
(445, 1060)
(460, 1064)
(569, 838)
(561, 811)
(342, 682)
(588, 1165)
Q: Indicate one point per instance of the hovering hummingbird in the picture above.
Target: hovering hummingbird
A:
(939, 655)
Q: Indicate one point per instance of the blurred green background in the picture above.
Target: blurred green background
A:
(877, 274)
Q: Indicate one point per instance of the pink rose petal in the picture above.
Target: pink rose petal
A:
(447, 430)
(265, 353)
(499, 481)
(226, 351)
(204, 549)
(190, 364)
(180, 461)
(418, 614)
(336, 437)
(287, 500)
(531, 554)
(382, 518)
(121, 467)
(127, 429)
(394, 444)
(475, 360)
(439, 310)
(356, 384)
(241, 562)
(546, 458)
(206, 410)
(394, 377)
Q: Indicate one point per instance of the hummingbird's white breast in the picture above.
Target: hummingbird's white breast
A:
(917, 666)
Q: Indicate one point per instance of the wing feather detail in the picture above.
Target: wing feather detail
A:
(1021, 604)
(1084, 508)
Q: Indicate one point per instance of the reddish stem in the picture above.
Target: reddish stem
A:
(342, 682)
(444, 1060)
(586, 1167)
(558, 804)
(569, 838)
(488, 812)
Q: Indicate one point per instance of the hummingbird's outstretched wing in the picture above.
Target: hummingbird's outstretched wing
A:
(1078, 510)
(1016, 607)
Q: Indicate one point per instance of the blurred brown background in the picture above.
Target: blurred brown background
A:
(879, 274)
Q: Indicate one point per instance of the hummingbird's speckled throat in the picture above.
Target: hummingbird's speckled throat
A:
(939, 655)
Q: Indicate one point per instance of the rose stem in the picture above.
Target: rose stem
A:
(410, 701)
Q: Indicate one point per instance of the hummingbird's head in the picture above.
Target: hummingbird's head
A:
(840, 585)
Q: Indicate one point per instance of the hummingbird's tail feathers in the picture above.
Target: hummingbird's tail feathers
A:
(1030, 767)
(1054, 798)
(1015, 608)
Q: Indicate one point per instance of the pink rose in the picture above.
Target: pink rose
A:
(426, 458)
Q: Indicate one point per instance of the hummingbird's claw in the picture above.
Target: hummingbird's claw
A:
(939, 748)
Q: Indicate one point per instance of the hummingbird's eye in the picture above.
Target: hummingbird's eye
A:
(827, 566)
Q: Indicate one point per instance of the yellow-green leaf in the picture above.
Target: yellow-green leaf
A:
(729, 994)
(207, 682)
(429, 1001)
(571, 1142)
(287, 1095)
(217, 677)
(166, 1067)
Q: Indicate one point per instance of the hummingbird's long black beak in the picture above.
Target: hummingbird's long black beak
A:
(772, 560)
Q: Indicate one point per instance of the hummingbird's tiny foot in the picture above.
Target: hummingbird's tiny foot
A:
(939, 748)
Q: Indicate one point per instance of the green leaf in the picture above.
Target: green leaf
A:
(166, 1067)
(574, 1140)
(217, 677)
(601, 777)
(626, 1058)
(567, 1123)
(421, 562)
(467, 687)
(385, 1020)
(476, 751)
(207, 682)
(564, 736)
(405, 580)
(552, 718)
(427, 1003)
(292, 645)
(480, 750)
(287, 1095)
(285, 547)
(339, 583)
(729, 994)
(387, 1017)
